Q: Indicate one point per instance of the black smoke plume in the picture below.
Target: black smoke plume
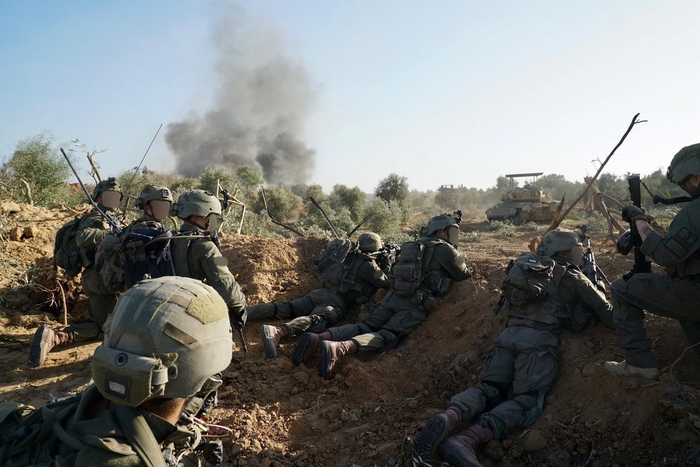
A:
(261, 102)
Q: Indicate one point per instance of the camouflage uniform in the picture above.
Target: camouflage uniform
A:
(92, 229)
(326, 306)
(201, 259)
(397, 316)
(675, 294)
(525, 353)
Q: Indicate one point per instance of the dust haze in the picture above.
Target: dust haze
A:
(262, 99)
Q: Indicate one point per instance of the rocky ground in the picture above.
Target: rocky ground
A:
(285, 416)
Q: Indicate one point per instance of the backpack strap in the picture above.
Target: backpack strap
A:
(140, 436)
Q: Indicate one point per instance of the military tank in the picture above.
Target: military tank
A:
(529, 203)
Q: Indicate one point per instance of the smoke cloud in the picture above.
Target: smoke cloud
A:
(260, 104)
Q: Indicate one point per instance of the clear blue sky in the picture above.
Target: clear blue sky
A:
(450, 92)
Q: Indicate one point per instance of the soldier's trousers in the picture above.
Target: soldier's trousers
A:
(102, 303)
(524, 357)
(392, 319)
(315, 312)
(658, 294)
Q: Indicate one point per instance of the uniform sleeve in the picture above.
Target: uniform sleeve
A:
(451, 261)
(680, 242)
(576, 287)
(212, 265)
(91, 231)
(370, 273)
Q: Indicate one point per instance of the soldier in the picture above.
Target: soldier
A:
(156, 202)
(201, 258)
(326, 306)
(398, 314)
(168, 339)
(538, 306)
(675, 294)
(92, 230)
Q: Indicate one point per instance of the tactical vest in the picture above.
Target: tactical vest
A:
(530, 289)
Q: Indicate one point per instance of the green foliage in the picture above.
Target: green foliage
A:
(249, 177)
(208, 178)
(282, 203)
(502, 228)
(473, 237)
(387, 217)
(351, 199)
(393, 189)
(36, 161)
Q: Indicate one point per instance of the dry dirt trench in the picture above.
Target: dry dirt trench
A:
(366, 416)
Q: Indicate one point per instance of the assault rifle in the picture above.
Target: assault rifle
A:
(386, 255)
(641, 263)
(589, 266)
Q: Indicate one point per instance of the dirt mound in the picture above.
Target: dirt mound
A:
(283, 415)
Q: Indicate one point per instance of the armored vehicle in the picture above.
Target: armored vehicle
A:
(529, 203)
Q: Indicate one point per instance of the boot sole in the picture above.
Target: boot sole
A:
(269, 348)
(451, 454)
(432, 435)
(324, 361)
(303, 351)
(36, 356)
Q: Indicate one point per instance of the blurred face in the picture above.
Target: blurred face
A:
(690, 184)
(159, 209)
(577, 254)
(110, 199)
(453, 235)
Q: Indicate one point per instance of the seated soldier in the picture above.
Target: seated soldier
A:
(167, 339)
(326, 306)
(538, 304)
(92, 230)
(406, 307)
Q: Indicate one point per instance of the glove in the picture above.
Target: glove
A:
(633, 213)
(238, 319)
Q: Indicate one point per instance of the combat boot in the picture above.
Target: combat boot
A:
(625, 369)
(436, 429)
(458, 450)
(46, 339)
(329, 354)
(271, 336)
(305, 348)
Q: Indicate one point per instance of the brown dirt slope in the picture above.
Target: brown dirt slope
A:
(284, 416)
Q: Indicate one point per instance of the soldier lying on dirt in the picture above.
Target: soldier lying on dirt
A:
(425, 269)
(352, 280)
(542, 294)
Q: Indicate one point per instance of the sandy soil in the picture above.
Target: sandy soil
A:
(285, 416)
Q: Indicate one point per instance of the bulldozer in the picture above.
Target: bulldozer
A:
(522, 204)
(447, 197)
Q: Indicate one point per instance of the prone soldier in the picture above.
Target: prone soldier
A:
(542, 294)
(425, 269)
(326, 306)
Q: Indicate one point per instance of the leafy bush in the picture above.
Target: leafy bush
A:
(387, 217)
(473, 237)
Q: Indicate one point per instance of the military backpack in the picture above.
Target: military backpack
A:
(408, 270)
(334, 266)
(122, 262)
(66, 253)
(530, 279)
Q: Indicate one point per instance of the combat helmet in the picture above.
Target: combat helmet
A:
(154, 193)
(369, 242)
(196, 203)
(166, 338)
(440, 222)
(558, 240)
(684, 164)
(110, 184)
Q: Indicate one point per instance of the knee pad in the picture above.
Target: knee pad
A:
(493, 398)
